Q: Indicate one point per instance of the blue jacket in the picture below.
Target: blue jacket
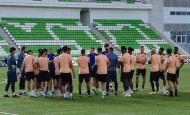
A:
(51, 59)
(113, 61)
(11, 60)
(92, 59)
(21, 57)
(105, 52)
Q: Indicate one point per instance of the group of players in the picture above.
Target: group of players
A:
(49, 74)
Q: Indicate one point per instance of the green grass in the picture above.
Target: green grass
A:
(140, 104)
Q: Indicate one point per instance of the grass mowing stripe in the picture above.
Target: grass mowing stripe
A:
(139, 104)
(5, 113)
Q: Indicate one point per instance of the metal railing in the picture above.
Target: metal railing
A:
(96, 1)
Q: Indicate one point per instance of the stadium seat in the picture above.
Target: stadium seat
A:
(4, 48)
(50, 31)
(132, 33)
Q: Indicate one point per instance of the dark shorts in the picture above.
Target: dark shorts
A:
(111, 76)
(11, 76)
(177, 73)
(141, 72)
(57, 77)
(29, 76)
(154, 76)
(131, 74)
(126, 75)
(44, 76)
(161, 75)
(101, 77)
(66, 78)
(92, 73)
(52, 74)
(84, 77)
(171, 77)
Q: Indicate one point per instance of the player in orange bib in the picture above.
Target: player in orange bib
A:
(83, 62)
(141, 67)
(57, 72)
(171, 72)
(44, 77)
(102, 62)
(36, 74)
(155, 61)
(133, 62)
(66, 67)
(28, 64)
(180, 62)
(162, 68)
(126, 71)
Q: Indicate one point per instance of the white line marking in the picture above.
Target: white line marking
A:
(4, 113)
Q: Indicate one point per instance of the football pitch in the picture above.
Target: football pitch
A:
(141, 103)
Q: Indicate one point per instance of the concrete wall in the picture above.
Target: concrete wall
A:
(178, 19)
(61, 12)
(156, 14)
(37, 12)
(118, 14)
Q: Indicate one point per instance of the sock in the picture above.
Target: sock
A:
(67, 94)
(6, 92)
(103, 93)
(152, 85)
(21, 91)
(38, 92)
(164, 87)
(58, 92)
(13, 93)
(80, 92)
(137, 86)
(171, 93)
(157, 88)
(71, 95)
(96, 90)
(64, 95)
(88, 92)
(50, 92)
(32, 92)
(176, 91)
(44, 89)
(142, 86)
(129, 88)
(55, 88)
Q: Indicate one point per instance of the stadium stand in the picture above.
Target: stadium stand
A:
(50, 33)
(132, 33)
(4, 48)
(36, 33)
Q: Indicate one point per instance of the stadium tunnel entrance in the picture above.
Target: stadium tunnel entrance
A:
(85, 16)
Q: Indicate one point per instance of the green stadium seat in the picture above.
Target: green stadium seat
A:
(49, 31)
(133, 33)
